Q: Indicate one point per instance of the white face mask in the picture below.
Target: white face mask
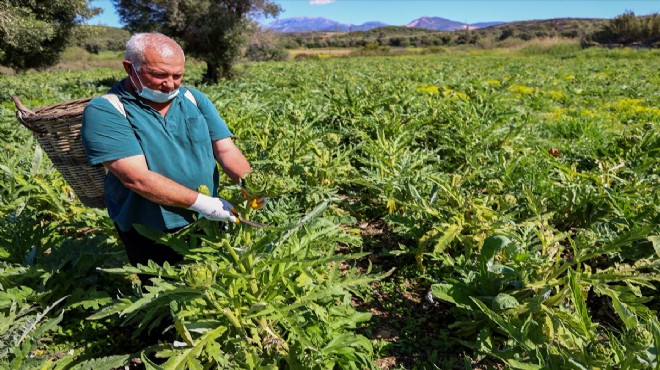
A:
(151, 94)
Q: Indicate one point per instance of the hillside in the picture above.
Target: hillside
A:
(404, 36)
(101, 38)
(565, 27)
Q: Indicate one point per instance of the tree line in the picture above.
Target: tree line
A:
(219, 32)
(34, 34)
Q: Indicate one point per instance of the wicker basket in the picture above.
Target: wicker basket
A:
(57, 129)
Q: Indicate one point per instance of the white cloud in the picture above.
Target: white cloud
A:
(321, 2)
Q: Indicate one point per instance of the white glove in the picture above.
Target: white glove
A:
(214, 209)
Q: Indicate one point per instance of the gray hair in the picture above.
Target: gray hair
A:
(140, 42)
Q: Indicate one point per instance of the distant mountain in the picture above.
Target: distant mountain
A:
(436, 24)
(309, 24)
(368, 26)
(486, 24)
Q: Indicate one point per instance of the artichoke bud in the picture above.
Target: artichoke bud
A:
(494, 186)
(198, 275)
(333, 139)
(507, 202)
(586, 237)
(256, 184)
(598, 353)
(638, 339)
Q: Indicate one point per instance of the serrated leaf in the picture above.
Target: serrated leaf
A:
(104, 363)
(116, 308)
(580, 304)
(523, 365)
(447, 237)
(30, 326)
(505, 325)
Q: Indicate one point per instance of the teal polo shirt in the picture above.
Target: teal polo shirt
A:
(177, 146)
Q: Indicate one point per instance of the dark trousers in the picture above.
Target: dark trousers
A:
(141, 249)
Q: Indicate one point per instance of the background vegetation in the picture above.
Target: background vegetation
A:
(33, 34)
(513, 192)
(626, 29)
(260, 45)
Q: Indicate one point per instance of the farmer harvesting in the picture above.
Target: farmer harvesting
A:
(159, 141)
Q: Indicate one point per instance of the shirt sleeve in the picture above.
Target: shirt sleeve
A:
(106, 134)
(218, 129)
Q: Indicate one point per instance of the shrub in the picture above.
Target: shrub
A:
(627, 29)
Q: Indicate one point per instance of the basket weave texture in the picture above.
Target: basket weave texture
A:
(57, 129)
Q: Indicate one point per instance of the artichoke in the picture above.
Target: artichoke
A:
(598, 354)
(628, 141)
(494, 186)
(638, 339)
(585, 237)
(507, 202)
(198, 276)
(256, 184)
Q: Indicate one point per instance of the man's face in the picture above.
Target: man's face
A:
(162, 74)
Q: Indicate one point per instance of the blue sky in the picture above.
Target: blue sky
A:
(401, 12)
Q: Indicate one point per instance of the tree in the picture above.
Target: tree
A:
(265, 46)
(211, 30)
(34, 33)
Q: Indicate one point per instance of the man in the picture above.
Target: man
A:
(162, 146)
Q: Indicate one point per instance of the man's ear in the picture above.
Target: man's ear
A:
(127, 67)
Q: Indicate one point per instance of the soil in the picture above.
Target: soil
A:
(407, 324)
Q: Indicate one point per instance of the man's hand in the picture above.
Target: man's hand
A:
(214, 209)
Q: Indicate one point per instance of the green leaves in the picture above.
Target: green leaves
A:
(580, 306)
(491, 247)
(248, 306)
(35, 35)
(527, 197)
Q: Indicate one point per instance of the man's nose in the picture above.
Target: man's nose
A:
(169, 82)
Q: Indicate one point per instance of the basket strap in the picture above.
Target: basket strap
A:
(190, 97)
(114, 100)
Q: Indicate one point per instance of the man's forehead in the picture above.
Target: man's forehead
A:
(164, 54)
(158, 63)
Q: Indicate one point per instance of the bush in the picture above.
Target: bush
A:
(371, 50)
(435, 50)
(628, 29)
(304, 56)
